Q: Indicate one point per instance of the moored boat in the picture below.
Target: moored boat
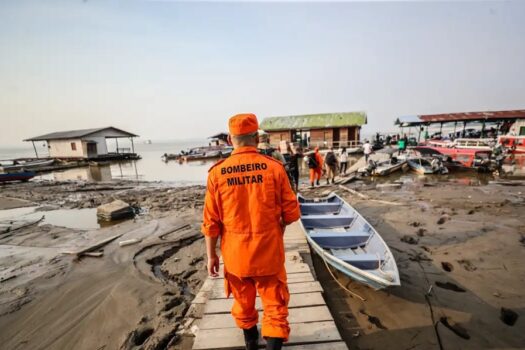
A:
(383, 168)
(200, 153)
(28, 165)
(425, 166)
(17, 176)
(345, 240)
(472, 158)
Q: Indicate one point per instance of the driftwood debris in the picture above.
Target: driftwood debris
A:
(94, 246)
(100, 188)
(178, 228)
(94, 254)
(352, 191)
(7, 278)
(129, 242)
(363, 196)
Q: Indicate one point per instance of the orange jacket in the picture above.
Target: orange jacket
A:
(319, 160)
(248, 195)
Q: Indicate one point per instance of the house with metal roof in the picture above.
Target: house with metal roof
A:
(311, 130)
(510, 121)
(86, 143)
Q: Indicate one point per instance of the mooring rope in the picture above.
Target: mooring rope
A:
(337, 281)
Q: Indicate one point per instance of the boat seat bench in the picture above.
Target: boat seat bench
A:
(361, 261)
(326, 221)
(335, 240)
(321, 208)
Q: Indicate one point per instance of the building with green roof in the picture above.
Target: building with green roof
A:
(311, 130)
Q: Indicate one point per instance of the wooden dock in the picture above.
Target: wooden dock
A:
(312, 325)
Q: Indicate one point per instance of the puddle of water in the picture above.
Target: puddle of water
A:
(14, 214)
(84, 219)
(72, 218)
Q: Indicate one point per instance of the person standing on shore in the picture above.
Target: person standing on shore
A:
(248, 204)
(294, 165)
(343, 161)
(402, 144)
(330, 161)
(367, 150)
(315, 163)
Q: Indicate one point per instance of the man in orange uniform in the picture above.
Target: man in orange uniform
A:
(317, 168)
(248, 203)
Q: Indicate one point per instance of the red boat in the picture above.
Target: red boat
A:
(516, 144)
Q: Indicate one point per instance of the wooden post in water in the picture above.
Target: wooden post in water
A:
(34, 147)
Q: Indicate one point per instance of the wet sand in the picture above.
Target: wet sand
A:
(129, 298)
(460, 252)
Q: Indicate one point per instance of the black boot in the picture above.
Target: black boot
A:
(251, 338)
(274, 343)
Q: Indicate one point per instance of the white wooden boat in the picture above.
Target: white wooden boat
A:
(425, 166)
(346, 241)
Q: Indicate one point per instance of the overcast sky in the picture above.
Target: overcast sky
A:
(178, 70)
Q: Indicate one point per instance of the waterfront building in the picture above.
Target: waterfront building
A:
(86, 144)
(316, 130)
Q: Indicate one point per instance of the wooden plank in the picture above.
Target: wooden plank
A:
(216, 306)
(300, 277)
(293, 288)
(297, 315)
(292, 278)
(323, 346)
(296, 267)
(301, 333)
(293, 257)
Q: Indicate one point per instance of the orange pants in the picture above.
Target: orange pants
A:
(273, 291)
(315, 174)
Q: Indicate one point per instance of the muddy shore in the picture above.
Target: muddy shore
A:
(459, 247)
(131, 297)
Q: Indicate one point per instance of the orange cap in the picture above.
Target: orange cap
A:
(242, 124)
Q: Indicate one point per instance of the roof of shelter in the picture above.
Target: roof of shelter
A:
(314, 121)
(75, 134)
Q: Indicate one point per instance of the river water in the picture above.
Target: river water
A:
(149, 168)
(152, 168)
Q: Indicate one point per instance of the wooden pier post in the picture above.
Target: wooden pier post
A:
(34, 147)
(132, 145)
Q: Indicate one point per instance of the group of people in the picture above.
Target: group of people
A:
(330, 165)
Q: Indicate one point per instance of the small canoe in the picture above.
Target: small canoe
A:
(346, 241)
(18, 176)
